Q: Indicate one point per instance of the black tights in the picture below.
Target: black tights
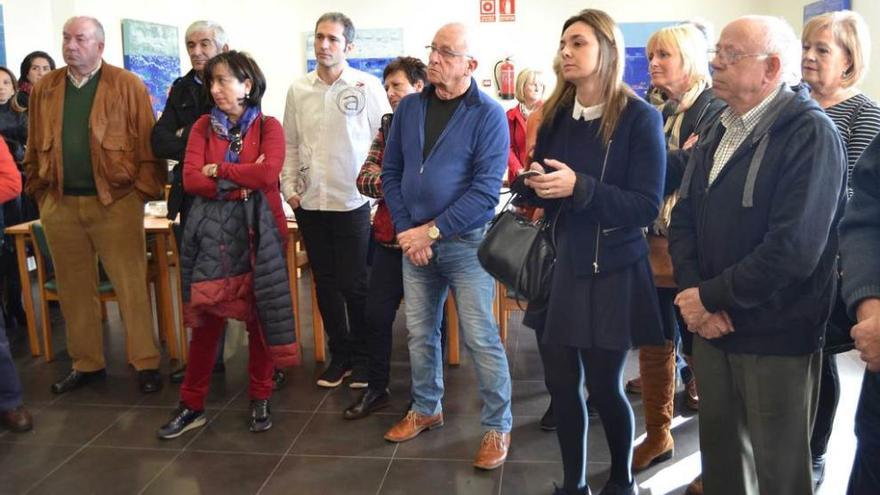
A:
(566, 368)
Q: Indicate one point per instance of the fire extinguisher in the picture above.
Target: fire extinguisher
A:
(505, 79)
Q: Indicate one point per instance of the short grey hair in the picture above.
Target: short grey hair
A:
(780, 40)
(99, 28)
(220, 37)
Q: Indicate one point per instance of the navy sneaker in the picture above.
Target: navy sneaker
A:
(183, 420)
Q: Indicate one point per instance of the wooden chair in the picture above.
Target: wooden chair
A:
(48, 288)
(507, 304)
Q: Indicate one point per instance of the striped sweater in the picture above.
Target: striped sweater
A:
(858, 121)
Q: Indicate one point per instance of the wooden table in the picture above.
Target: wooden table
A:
(161, 228)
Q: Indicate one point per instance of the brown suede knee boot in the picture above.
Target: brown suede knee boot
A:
(657, 364)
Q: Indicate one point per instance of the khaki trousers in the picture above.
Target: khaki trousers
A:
(78, 228)
(756, 416)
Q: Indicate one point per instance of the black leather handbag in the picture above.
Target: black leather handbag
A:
(521, 253)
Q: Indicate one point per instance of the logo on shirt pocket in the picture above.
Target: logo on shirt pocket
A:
(351, 101)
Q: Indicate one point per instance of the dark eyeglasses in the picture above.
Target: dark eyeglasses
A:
(235, 139)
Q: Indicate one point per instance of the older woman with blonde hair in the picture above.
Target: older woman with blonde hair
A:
(836, 50)
(598, 171)
(529, 93)
(679, 68)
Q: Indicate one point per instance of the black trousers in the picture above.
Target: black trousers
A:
(383, 301)
(865, 476)
(337, 243)
(829, 396)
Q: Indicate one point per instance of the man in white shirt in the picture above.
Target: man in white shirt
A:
(330, 119)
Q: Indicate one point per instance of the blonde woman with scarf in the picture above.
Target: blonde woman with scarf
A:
(679, 69)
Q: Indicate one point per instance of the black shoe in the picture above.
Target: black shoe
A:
(557, 490)
(279, 378)
(76, 379)
(371, 400)
(261, 419)
(612, 488)
(359, 378)
(149, 381)
(818, 470)
(334, 374)
(177, 376)
(183, 420)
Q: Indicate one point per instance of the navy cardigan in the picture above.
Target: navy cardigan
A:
(615, 195)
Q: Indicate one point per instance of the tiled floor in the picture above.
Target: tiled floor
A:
(101, 439)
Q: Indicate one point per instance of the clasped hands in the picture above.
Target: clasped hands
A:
(698, 319)
(866, 333)
(416, 244)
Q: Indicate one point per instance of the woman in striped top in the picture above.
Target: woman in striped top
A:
(835, 58)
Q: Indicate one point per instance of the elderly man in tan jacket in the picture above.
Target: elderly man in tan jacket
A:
(90, 168)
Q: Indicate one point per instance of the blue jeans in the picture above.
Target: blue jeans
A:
(454, 265)
(10, 387)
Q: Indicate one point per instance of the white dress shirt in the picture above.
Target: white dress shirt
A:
(328, 130)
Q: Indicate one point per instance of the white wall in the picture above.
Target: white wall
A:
(273, 30)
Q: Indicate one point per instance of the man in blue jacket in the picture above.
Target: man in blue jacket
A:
(859, 245)
(753, 243)
(444, 161)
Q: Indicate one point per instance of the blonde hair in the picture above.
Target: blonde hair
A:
(691, 44)
(851, 33)
(522, 80)
(614, 92)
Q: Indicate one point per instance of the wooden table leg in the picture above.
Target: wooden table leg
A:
(163, 294)
(26, 294)
(452, 347)
(294, 286)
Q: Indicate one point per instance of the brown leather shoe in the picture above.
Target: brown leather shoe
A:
(493, 450)
(411, 425)
(696, 486)
(18, 420)
(657, 364)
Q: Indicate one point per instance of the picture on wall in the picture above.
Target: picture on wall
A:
(2, 38)
(373, 50)
(823, 6)
(635, 37)
(151, 51)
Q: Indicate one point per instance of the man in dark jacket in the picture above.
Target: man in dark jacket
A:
(859, 245)
(753, 244)
(187, 102)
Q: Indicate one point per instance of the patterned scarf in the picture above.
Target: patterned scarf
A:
(234, 132)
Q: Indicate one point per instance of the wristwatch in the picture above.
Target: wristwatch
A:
(433, 233)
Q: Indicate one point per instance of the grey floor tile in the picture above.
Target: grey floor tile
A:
(229, 432)
(215, 474)
(105, 470)
(329, 434)
(330, 475)
(408, 477)
(458, 439)
(21, 465)
(67, 425)
(137, 428)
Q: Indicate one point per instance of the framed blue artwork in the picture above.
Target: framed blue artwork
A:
(823, 6)
(373, 50)
(2, 38)
(152, 52)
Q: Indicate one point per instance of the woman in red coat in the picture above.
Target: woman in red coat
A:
(232, 153)
(529, 94)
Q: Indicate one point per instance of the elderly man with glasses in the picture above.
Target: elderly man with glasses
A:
(444, 160)
(754, 243)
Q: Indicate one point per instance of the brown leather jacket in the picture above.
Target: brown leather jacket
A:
(120, 124)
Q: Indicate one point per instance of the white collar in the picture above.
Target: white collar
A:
(587, 113)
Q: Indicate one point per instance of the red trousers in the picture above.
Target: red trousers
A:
(203, 354)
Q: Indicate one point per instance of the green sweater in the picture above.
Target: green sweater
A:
(79, 177)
